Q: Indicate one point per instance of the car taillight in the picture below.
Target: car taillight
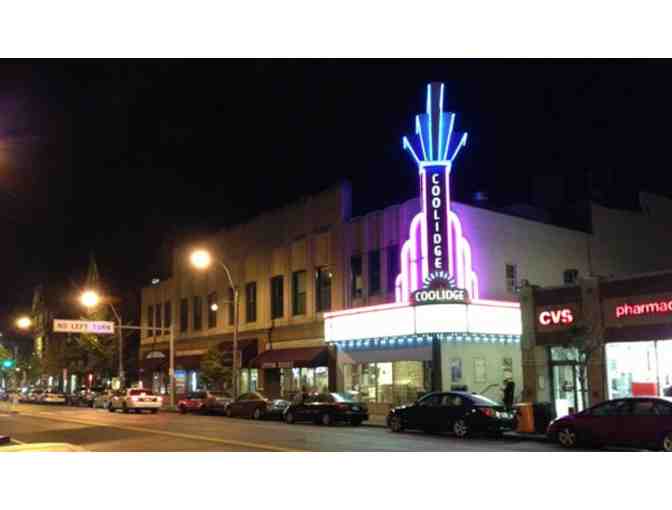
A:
(488, 411)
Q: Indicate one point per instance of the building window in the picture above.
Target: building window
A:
(277, 294)
(570, 276)
(184, 315)
(213, 306)
(157, 311)
(396, 382)
(511, 278)
(167, 314)
(374, 272)
(232, 311)
(150, 320)
(251, 302)
(392, 267)
(323, 278)
(357, 285)
(298, 292)
(198, 312)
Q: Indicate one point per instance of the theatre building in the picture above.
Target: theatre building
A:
(627, 320)
(419, 296)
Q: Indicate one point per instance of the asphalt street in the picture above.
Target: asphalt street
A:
(102, 431)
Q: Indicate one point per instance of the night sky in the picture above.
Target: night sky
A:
(123, 158)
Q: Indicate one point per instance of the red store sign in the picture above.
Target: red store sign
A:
(555, 317)
(651, 308)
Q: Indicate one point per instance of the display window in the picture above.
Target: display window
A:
(396, 382)
(296, 380)
(639, 368)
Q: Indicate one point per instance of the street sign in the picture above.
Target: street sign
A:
(95, 327)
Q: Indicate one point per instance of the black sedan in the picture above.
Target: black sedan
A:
(327, 409)
(459, 412)
(257, 406)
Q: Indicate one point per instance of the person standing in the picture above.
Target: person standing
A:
(508, 390)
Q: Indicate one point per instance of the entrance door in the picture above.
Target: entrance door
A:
(567, 391)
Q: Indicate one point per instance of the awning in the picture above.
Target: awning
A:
(293, 358)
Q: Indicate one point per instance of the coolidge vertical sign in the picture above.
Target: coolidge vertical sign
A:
(437, 217)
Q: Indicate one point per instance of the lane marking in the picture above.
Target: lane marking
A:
(181, 435)
(16, 441)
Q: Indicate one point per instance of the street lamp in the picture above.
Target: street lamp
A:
(24, 323)
(90, 299)
(201, 260)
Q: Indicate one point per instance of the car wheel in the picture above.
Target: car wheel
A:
(289, 417)
(257, 414)
(229, 413)
(110, 408)
(395, 424)
(666, 445)
(327, 419)
(567, 437)
(154, 411)
(460, 429)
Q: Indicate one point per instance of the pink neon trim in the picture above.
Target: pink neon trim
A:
(491, 302)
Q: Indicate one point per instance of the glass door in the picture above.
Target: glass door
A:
(566, 390)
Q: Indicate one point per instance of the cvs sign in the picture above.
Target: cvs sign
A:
(561, 316)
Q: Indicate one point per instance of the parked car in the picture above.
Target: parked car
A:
(135, 399)
(102, 399)
(35, 395)
(637, 422)
(204, 401)
(252, 405)
(52, 397)
(327, 409)
(459, 412)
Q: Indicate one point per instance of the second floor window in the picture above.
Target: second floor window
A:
(251, 302)
(167, 314)
(298, 292)
(570, 276)
(374, 272)
(213, 307)
(357, 284)
(393, 263)
(184, 315)
(150, 320)
(198, 312)
(511, 271)
(323, 289)
(277, 308)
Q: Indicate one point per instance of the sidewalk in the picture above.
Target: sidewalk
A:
(376, 420)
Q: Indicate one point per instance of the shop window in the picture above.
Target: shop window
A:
(392, 267)
(570, 276)
(157, 311)
(357, 283)
(511, 273)
(397, 382)
(150, 320)
(184, 315)
(198, 312)
(374, 272)
(277, 297)
(251, 302)
(213, 307)
(298, 292)
(323, 289)
(167, 314)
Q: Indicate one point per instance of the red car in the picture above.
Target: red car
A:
(636, 422)
(204, 402)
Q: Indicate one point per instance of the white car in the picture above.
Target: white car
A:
(53, 397)
(103, 399)
(136, 399)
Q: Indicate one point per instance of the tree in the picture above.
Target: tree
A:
(215, 374)
(584, 343)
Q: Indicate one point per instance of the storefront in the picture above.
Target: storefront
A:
(439, 334)
(626, 323)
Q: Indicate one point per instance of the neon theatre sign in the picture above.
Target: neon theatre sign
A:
(439, 289)
(436, 244)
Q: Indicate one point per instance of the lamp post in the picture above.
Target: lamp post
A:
(202, 260)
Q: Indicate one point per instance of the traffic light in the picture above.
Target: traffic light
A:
(8, 363)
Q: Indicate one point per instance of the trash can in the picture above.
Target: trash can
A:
(543, 414)
(525, 417)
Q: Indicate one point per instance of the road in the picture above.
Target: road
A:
(101, 431)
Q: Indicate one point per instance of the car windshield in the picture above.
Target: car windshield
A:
(480, 400)
(343, 397)
(141, 392)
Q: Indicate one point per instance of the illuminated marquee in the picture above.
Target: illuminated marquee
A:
(439, 288)
(655, 307)
(436, 241)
